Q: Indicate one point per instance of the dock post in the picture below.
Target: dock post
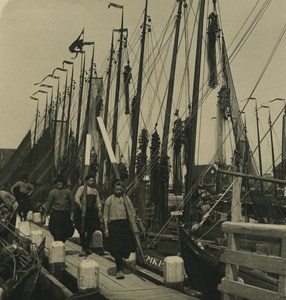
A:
(36, 237)
(30, 216)
(24, 229)
(174, 272)
(131, 262)
(37, 218)
(87, 276)
(24, 235)
(17, 225)
(57, 258)
(97, 242)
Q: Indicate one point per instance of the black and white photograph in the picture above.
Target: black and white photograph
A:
(142, 149)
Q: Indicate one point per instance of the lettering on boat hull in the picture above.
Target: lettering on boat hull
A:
(154, 261)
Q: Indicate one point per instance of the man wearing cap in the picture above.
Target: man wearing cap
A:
(118, 210)
(60, 206)
(21, 190)
(92, 215)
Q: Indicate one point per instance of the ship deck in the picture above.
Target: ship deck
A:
(134, 286)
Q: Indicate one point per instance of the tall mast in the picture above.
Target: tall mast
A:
(63, 113)
(283, 154)
(105, 117)
(46, 111)
(80, 96)
(164, 168)
(36, 121)
(117, 90)
(89, 89)
(55, 125)
(223, 96)
(272, 150)
(194, 114)
(46, 108)
(70, 100)
(50, 108)
(57, 107)
(136, 108)
(258, 143)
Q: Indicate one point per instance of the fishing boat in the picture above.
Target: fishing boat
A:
(202, 260)
(20, 260)
(133, 117)
(242, 161)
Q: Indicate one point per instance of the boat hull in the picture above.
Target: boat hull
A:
(205, 270)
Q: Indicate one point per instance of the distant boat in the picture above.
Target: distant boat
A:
(202, 262)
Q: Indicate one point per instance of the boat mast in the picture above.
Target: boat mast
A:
(80, 96)
(89, 90)
(70, 100)
(283, 154)
(49, 107)
(46, 108)
(117, 90)
(258, 144)
(57, 106)
(36, 121)
(86, 127)
(136, 107)
(221, 117)
(63, 113)
(164, 164)
(105, 117)
(272, 150)
(46, 111)
(194, 115)
(56, 124)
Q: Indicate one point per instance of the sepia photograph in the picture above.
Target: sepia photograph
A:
(142, 149)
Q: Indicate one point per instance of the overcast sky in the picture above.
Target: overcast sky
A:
(35, 35)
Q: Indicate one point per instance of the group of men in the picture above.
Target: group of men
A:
(83, 211)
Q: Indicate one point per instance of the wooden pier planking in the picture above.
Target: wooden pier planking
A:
(133, 286)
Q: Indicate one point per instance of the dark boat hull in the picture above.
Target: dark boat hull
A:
(205, 271)
(155, 254)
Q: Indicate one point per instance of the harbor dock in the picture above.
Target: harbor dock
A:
(141, 284)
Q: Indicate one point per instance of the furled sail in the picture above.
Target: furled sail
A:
(241, 140)
(10, 172)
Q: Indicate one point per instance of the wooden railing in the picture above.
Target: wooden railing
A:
(231, 285)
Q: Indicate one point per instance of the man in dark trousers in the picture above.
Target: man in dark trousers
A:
(21, 190)
(92, 215)
(60, 206)
(118, 210)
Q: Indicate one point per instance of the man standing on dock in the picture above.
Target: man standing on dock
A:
(92, 215)
(60, 205)
(118, 209)
(21, 190)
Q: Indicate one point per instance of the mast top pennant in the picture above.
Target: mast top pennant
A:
(115, 5)
(76, 46)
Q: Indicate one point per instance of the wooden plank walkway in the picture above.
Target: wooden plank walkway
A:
(132, 287)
